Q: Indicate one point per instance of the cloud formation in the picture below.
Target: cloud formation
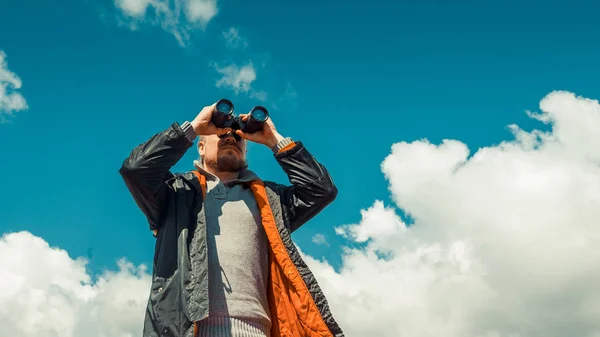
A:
(504, 243)
(233, 39)
(177, 17)
(239, 79)
(320, 239)
(10, 100)
(47, 293)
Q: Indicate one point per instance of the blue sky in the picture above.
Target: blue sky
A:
(349, 80)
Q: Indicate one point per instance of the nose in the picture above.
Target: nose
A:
(231, 136)
(228, 137)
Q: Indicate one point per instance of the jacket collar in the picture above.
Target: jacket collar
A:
(246, 176)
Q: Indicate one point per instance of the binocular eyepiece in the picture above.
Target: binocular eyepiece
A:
(223, 117)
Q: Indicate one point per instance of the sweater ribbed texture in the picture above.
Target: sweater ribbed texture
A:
(216, 326)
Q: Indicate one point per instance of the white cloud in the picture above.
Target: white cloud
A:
(136, 8)
(177, 17)
(201, 11)
(10, 100)
(44, 292)
(259, 95)
(237, 78)
(320, 239)
(504, 243)
(233, 39)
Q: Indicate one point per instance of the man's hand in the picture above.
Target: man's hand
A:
(268, 135)
(203, 126)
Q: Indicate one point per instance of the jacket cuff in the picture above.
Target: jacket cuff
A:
(289, 150)
(283, 145)
(175, 132)
(188, 130)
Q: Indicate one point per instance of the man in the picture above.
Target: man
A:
(224, 262)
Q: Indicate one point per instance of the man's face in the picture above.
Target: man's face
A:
(223, 154)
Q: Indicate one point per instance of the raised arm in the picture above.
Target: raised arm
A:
(147, 168)
(311, 189)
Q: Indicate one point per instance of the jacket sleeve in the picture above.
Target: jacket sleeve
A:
(147, 169)
(311, 189)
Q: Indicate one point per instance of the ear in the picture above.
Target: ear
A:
(201, 147)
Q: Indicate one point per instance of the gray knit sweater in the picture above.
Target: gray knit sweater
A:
(238, 261)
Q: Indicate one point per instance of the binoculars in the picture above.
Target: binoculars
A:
(223, 117)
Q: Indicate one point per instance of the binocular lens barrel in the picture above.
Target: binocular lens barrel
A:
(259, 113)
(258, 116)
(223, 117)
(222, 113)
(225, 106)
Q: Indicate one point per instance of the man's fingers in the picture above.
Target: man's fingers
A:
(211, 129)
(241, 134)
(222, 131)
(208, 110)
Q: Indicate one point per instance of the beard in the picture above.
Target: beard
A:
(228, 163)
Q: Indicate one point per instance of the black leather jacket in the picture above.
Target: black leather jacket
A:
(172, 204)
